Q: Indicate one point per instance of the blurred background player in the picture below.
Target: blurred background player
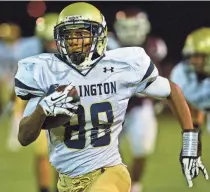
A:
(131, 28)
(12, 48)
(192, 74)
(45, 32)
(9, 36)
(44, 35)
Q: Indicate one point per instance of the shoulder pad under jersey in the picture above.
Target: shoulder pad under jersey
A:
(32, 77)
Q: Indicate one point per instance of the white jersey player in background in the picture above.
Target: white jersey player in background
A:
(132, 28)
(192, 74)
(85, 150)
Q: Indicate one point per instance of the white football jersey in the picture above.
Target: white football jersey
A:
(11, 54)
(90, 140)
(196, 92)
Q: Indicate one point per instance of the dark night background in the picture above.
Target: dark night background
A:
(170, 20)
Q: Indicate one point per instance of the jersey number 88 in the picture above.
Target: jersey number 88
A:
(96, 141)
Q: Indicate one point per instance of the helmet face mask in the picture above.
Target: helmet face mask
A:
(77, 44)
(130, 33)
(200, 63)
(196, 62)
(81, 35)
(131, 27)
(77, 39)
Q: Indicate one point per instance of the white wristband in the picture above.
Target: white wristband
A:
(190, 144)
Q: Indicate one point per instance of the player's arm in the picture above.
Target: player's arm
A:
(55, 103)
(27, 89)
(30, 87)
(34, 120)
(30, 126)
(197, 116)
(159, 87)
(179, 106)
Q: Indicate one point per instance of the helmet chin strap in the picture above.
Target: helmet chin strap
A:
(77, 58)
(84, 65)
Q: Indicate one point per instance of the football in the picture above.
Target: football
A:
(73, 92)
(59, 120)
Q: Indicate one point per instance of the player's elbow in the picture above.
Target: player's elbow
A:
(22, 141)
(159, 88)
(25, 139)
(25, 136)
(22, 135)
(175, 91)
(176, 95)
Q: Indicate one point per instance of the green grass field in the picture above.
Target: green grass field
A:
(163, 171)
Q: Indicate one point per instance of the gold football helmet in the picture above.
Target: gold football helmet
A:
(45, 26)
(44, 31)
(197, 50)
(10, 32)
(81, 34)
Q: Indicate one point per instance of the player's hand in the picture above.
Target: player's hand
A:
(190, 157)
(59, 103)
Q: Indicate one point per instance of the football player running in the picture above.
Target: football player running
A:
(85, 150)
(192, 74)
(13, 47)
(132, 28)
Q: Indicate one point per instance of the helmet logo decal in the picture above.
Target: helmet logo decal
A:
(72, 18)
